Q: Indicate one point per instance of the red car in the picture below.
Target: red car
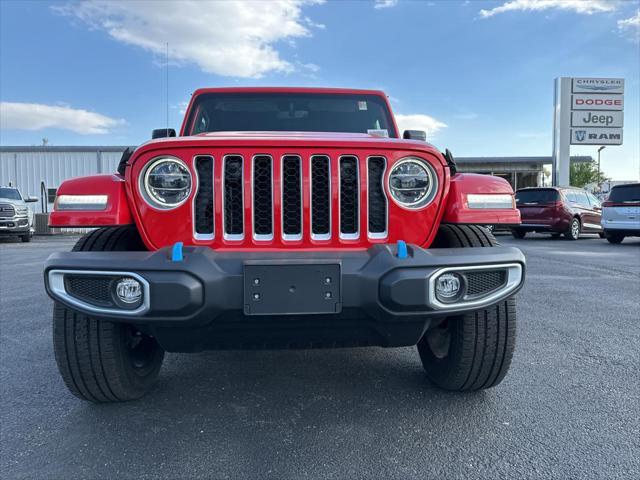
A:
(283, 218)
(564, 211)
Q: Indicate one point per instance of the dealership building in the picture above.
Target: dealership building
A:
(38, 171)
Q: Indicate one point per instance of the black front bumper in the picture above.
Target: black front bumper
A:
(206, 300)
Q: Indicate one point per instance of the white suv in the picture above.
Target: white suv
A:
(621, 213)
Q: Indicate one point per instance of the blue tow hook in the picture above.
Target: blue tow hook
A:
(402, 249)
(176, 252)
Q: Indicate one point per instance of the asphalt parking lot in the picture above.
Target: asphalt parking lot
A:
(568, 409)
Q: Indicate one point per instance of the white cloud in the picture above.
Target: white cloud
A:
(37, 116)
(586, 7)
(235, 39)
(419, 122)
(385, 3)
(630, 27)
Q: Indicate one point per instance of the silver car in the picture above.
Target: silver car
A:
(16, 219)
(621, 213)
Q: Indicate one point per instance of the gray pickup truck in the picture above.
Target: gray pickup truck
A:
(16, 219)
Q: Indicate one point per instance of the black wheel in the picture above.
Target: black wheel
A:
(472, 351)
(555, 235)
(614, 237)
(573, 232)
(518, 233)
(104, 361)
(26, 238)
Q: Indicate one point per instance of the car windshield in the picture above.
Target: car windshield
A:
(625, 193)
(10, 194)
(536, 196)
(290, 112)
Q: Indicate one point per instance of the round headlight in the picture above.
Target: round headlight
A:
(166, 183)
(412, 183)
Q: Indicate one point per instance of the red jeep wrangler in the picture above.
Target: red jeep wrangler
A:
(283, 218)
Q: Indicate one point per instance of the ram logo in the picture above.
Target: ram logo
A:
(580, 135)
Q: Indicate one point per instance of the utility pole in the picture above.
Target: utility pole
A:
(599, 150)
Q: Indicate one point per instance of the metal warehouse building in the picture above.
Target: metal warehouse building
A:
(39, 170)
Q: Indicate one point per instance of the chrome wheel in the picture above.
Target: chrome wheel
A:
(575, 229)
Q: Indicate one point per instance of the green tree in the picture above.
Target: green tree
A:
(585, 173)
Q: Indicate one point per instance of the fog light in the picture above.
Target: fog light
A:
(448, 287)
(128, 292)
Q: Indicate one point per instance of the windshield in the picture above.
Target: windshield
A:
(625, 193)
(536, 196)
(10, 193)
(289, 112)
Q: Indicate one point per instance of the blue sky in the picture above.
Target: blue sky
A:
(478, 75)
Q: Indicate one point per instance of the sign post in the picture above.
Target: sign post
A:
(587, 111)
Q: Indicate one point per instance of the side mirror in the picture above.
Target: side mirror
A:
(415, 135)
(31, 199)
(163, 133)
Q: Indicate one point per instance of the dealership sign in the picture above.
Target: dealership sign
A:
(597, 107)
(597, 102)
(590, 118)
(596, 136)
(598, 85)
(587, 111)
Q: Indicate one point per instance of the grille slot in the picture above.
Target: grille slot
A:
(320, 197)
(95, 290)
(291, 197)
(377, 200)
(203, 201)
(233, 197)
(349, 195)
(484, 282)
(263, 197)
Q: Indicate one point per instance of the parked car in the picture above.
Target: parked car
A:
(564, 211)
(16, 219)
(621, 213)
(283, 218)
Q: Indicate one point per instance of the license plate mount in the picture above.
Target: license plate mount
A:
(292, 288)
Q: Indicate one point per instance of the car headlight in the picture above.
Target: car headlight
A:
(412, 183)
(166, 183)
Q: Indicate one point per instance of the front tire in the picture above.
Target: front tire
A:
(25, 238)
(103, 361)
(470, 351)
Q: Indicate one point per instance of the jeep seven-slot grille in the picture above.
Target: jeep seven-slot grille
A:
(233, 200)
(349, 194)
(262, 197)
(291, 197)
(320, 197)
(377, 200)
(203, 207)
(292, 193)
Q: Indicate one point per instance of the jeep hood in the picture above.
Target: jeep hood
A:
(287, 139)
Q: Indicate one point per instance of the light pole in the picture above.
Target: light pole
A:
(599, 150)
